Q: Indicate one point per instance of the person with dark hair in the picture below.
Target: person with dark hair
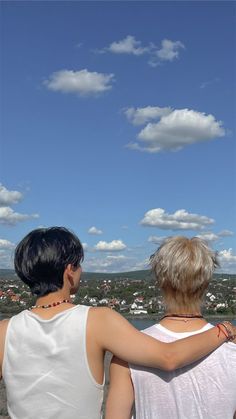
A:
(52, 354)
(183, 268)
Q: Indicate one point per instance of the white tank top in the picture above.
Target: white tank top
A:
(203, 390)
(45, 367)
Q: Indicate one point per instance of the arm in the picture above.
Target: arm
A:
(121, 395)
(117, 335)
(3, 329)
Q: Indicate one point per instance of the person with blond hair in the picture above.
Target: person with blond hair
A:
(204, 390)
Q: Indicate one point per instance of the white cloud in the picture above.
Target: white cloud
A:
(227, 256)
(128, 45)
(208, 237)
(82, 82)
(157, 239)
(209, 82)
(212, 237)
(225, 233)
(114, 245)
(114, 263)
(169, 50)
(178, 129)
(94, 230)
(227, 260)
(140, 116)
(6, 254)
(10, 217)
(85, 246)
(180, 220)
(6, 244)
(9, 197)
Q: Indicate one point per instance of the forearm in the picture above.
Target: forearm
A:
(191, 349)
(120, 396)
(115, 334)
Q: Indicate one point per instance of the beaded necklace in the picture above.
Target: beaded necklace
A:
(57, 303)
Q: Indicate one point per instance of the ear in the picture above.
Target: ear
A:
(69, 274)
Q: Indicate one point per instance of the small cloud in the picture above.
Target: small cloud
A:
(85, 246)
(227, 256)
(10, 217)
(9, 197)
(6, 254)
(6, 244)
(81, 82)
(176, 130)
(128, 45)
(209, 82)
(169, 50)
(94, 230)
(114, 245)
(227, 260)
(208, 237)
(157, 239)
(180, 220)
(225, 233)
(140, 116)
(79, 45)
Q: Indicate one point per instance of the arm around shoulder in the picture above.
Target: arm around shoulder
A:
(117, 335)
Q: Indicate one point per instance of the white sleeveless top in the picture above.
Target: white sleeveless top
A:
(45, 367)
(203, 390)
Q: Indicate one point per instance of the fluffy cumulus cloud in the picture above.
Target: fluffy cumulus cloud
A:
(177, 129)
(140, 116)
(114, 245)
(7, 215)
(180, 220)
(6, 253)
(81, 82)
(94, 230)
(10, 217)
(128, 45)
(227, 260)
(169, 51)
(9, 197)
(6, 244)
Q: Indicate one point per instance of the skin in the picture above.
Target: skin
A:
(121, 393)
(109, 331)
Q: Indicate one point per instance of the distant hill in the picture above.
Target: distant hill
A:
(132, 275)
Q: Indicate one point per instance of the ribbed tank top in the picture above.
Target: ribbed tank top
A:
(45, 367)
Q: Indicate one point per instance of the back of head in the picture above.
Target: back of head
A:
(183, 268)
(43, 255)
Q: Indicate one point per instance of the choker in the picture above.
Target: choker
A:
(57, 303)
(183, 317)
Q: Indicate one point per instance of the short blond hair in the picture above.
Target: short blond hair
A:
(183, 268)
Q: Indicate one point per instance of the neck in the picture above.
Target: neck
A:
(53, 297)
(183, 320)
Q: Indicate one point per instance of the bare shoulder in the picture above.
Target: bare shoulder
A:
(104, 315)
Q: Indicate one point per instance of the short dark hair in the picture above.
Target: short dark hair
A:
(43, 255)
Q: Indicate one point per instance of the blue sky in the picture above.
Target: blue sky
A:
(118, 123)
